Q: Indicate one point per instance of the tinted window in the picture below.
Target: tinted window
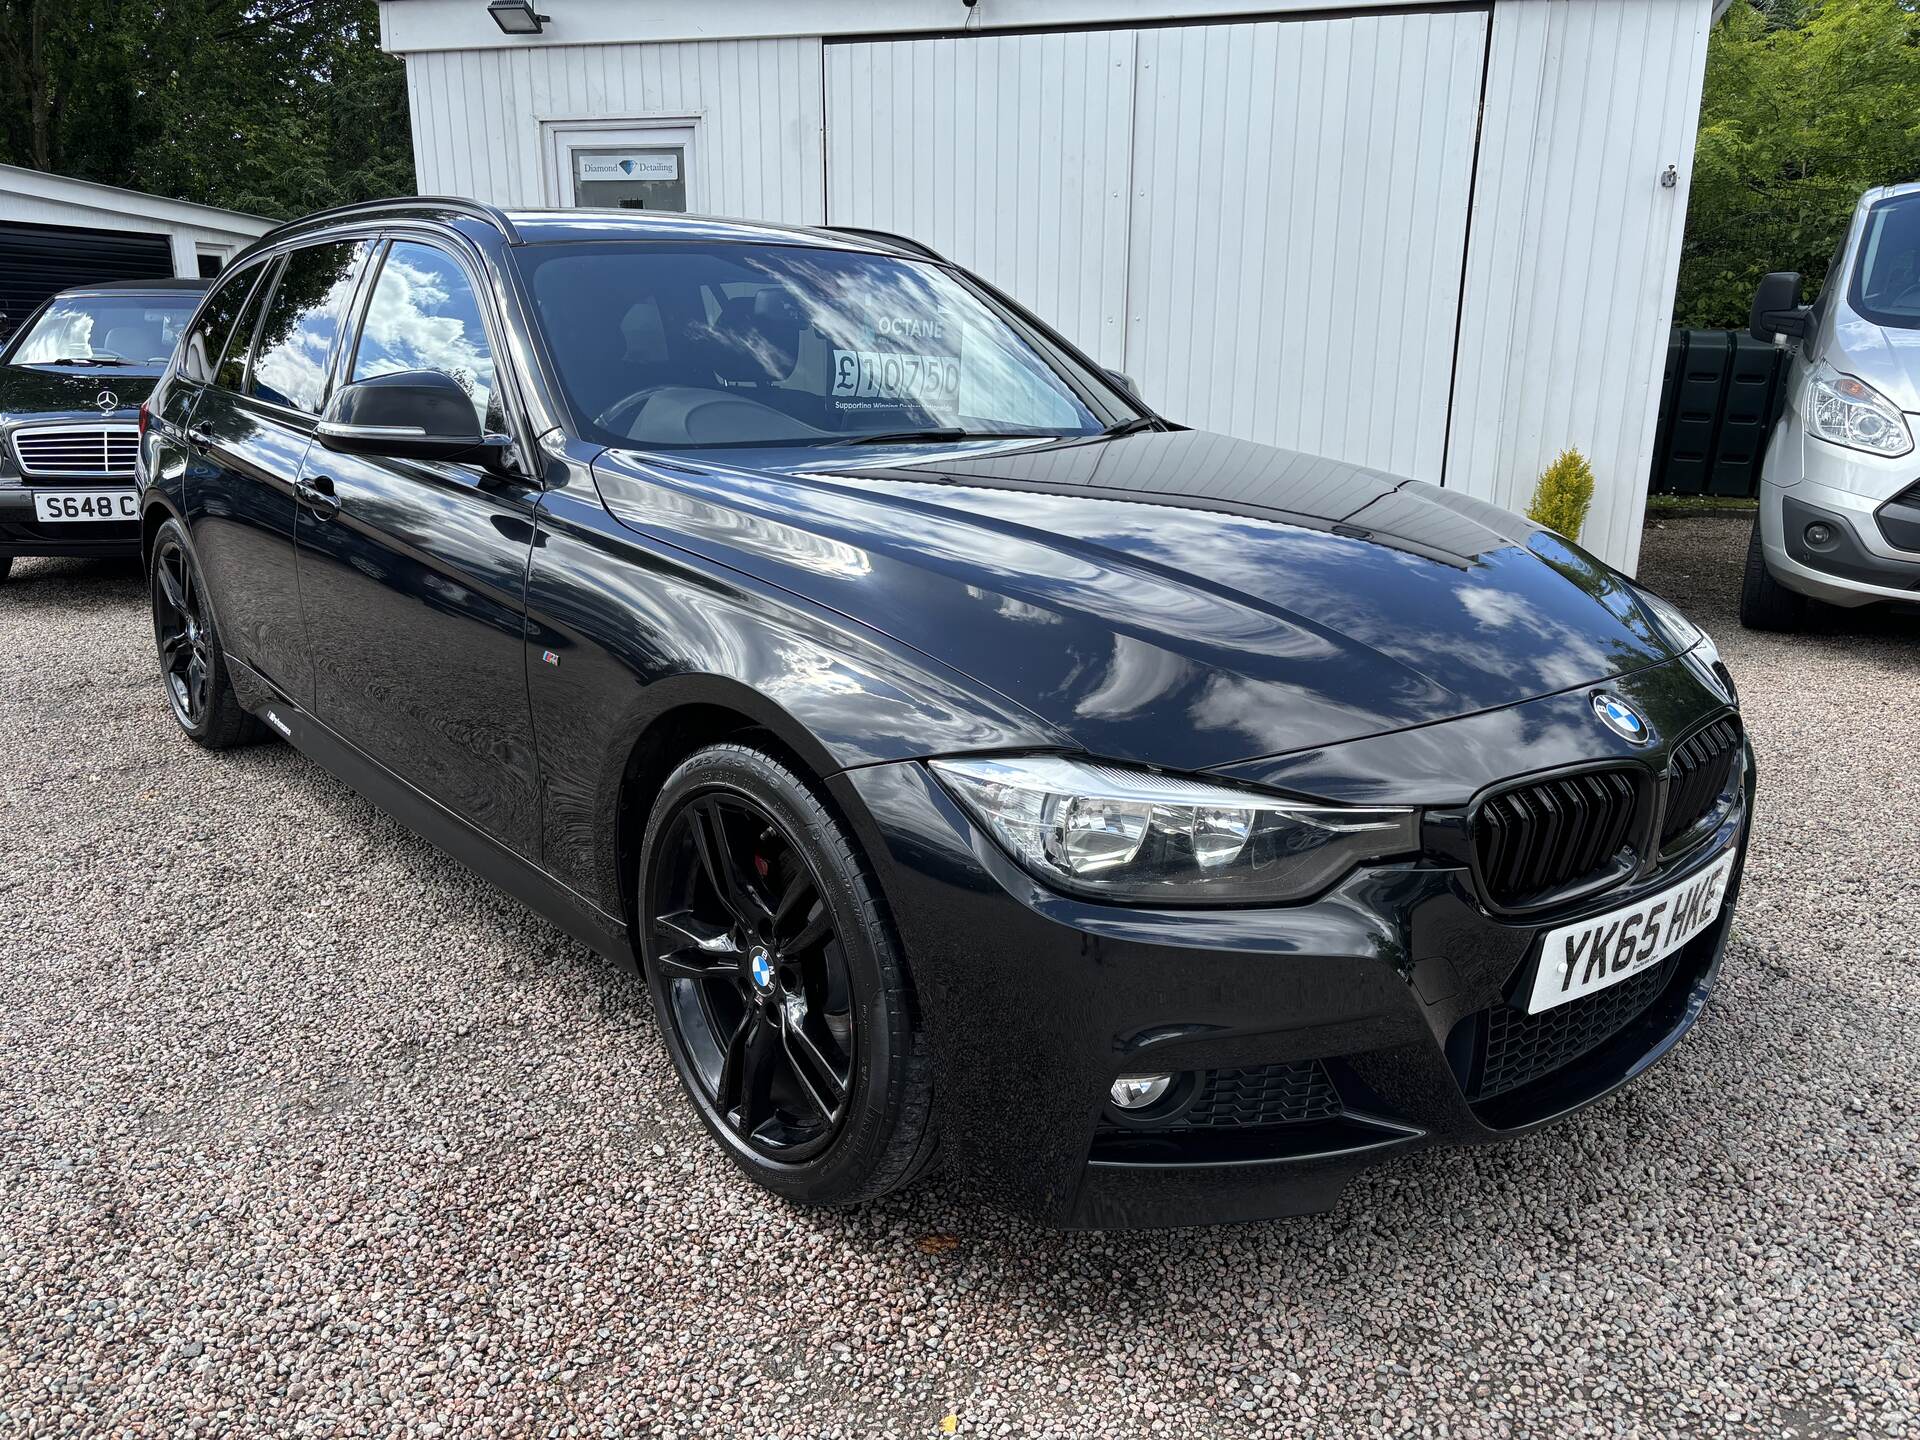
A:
(207, 340)
(233, 363)
(1886, 277)
(425, 316)
(296, 341)
(107, 331)
(726, 344)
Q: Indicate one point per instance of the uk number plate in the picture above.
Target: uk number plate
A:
(1579, 959)
(63, 507)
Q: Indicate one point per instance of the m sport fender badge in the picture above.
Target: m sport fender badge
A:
(1621, 718)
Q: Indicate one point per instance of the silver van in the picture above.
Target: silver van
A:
(1839, 513)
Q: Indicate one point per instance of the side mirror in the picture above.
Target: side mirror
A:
(1777, 309)
(1125, 382)
(409, 414)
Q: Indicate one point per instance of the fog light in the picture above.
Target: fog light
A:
(1137, 1092)
(1818, 534)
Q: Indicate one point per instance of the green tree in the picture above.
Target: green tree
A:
(1807, 103)
(272, 106)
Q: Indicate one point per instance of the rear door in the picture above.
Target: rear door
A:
(413, 572)
(249, 433)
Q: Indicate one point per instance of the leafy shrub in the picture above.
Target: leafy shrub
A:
(1565, 491)
(1807, 103)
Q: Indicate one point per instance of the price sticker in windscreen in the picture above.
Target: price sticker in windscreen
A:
(929, 380)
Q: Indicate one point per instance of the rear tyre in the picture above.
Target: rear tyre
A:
(6, 567)
(1766, 604)
(193, 669)
(781, 992)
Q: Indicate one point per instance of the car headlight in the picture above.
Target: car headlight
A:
(1851, 412)
(1137, 835)
(1694, 645)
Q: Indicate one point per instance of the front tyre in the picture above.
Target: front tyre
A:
(1766, 604)
(193, 668)
(781, 992)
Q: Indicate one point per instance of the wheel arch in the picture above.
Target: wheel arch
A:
(687, 714)
(155, 510)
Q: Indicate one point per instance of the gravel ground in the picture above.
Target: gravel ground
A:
(305, 1130)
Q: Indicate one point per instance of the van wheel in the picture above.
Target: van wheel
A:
(1766, 604)
(780, 989)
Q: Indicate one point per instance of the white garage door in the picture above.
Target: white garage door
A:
(1264, 224)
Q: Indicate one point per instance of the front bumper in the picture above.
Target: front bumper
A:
(21, 533)
(1385, 987)
(1807, 480)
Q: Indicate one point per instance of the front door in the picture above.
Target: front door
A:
(634, 165)
(413, 572)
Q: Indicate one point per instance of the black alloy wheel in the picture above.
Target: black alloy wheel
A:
(780, 990)
(755, 975)
(192, 667)
(181, 633)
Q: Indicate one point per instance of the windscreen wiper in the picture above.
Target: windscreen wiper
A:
(1131, 426)
(939, 433)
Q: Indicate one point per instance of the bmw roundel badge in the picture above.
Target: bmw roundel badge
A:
(761, 965)
(1621, 718)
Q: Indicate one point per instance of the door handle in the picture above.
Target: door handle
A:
(317, 495)
(201, 438)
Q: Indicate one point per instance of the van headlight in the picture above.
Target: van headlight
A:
(1850, 412)
(1123, 834)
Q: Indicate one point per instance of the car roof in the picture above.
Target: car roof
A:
(1891, 192)
(536, 227)
(136, 287)
(553, 226)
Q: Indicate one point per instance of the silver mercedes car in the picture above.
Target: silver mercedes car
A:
(1839, 513)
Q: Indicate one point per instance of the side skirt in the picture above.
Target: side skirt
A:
(431, 820)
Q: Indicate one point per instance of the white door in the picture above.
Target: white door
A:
(621, 164)
(1263, 223)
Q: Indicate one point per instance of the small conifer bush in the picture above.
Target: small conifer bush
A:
(1565, 491)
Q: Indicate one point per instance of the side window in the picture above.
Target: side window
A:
(425, 316)
(207, 340)
(296, 340)
(232, 373)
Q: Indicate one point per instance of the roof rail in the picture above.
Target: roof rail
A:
(490, 214)
(901, 241)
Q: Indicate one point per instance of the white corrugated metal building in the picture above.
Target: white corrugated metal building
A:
(56, 231)
(1439, 239)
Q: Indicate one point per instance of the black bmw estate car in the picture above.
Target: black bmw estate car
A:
(72, 379)
(1147, 826)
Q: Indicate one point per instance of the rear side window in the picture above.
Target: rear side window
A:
(207, 340)
(303, 318)
(232, 373)
(425, 316)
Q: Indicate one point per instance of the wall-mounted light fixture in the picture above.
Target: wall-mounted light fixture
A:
(517, 17)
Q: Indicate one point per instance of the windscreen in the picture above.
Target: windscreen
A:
(107, 330)
(1886, 279)
(673, 345)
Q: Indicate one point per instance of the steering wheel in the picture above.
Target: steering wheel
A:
(1906, 299)
(616, 415)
